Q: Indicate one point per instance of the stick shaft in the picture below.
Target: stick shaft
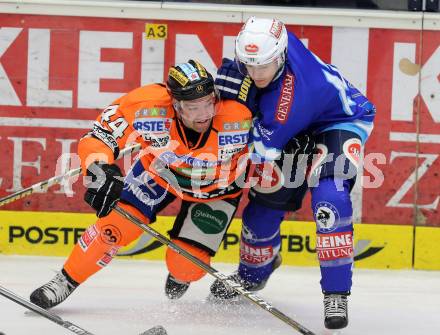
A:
(58, 320)
(48, 315)
(43, 185)
(236, 286)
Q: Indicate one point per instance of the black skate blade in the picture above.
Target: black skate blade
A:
(157, 330)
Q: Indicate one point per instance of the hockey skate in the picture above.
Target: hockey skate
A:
(54, 292)
(335, 311)
(175, 289)
(224, 292)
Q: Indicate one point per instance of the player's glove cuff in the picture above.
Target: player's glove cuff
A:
(104, 188)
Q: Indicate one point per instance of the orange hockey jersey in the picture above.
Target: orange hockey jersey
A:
(210, 169)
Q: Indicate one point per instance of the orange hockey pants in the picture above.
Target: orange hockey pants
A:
(101, 241)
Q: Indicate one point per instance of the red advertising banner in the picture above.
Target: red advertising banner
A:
(403, 82)
(57, 73)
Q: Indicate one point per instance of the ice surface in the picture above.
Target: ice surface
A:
(127, 298)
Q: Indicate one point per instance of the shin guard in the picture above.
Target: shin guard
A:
(100, 243)
(183, 269)
(332, 210)
(260, 242)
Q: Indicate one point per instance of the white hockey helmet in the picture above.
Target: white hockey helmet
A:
(261, 41)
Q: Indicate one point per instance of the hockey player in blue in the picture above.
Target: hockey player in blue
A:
(297, 99)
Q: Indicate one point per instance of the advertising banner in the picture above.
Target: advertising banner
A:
(55, 234)
(57, 73)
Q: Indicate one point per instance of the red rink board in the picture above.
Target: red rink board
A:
(410, 168)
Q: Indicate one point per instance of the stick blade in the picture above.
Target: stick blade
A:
(157, 330)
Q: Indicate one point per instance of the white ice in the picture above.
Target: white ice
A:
(127, 298)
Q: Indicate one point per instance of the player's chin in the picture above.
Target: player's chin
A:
(202, 126)
(261, 83)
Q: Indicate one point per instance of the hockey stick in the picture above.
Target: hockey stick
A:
(158, 330)
(56, 180)
(220, 276)
(48, 315)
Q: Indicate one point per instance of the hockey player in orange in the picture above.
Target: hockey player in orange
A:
(195, 148)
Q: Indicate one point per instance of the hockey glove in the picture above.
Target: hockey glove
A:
(301, 146)
(232, 84)
(105, 187)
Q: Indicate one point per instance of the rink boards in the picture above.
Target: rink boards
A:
(375, 246)
(112, 47)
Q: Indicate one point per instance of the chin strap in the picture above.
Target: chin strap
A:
(281, 63)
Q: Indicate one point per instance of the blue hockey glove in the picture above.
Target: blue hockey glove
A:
(232, 84)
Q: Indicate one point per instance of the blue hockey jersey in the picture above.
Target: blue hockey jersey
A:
(309, 95)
